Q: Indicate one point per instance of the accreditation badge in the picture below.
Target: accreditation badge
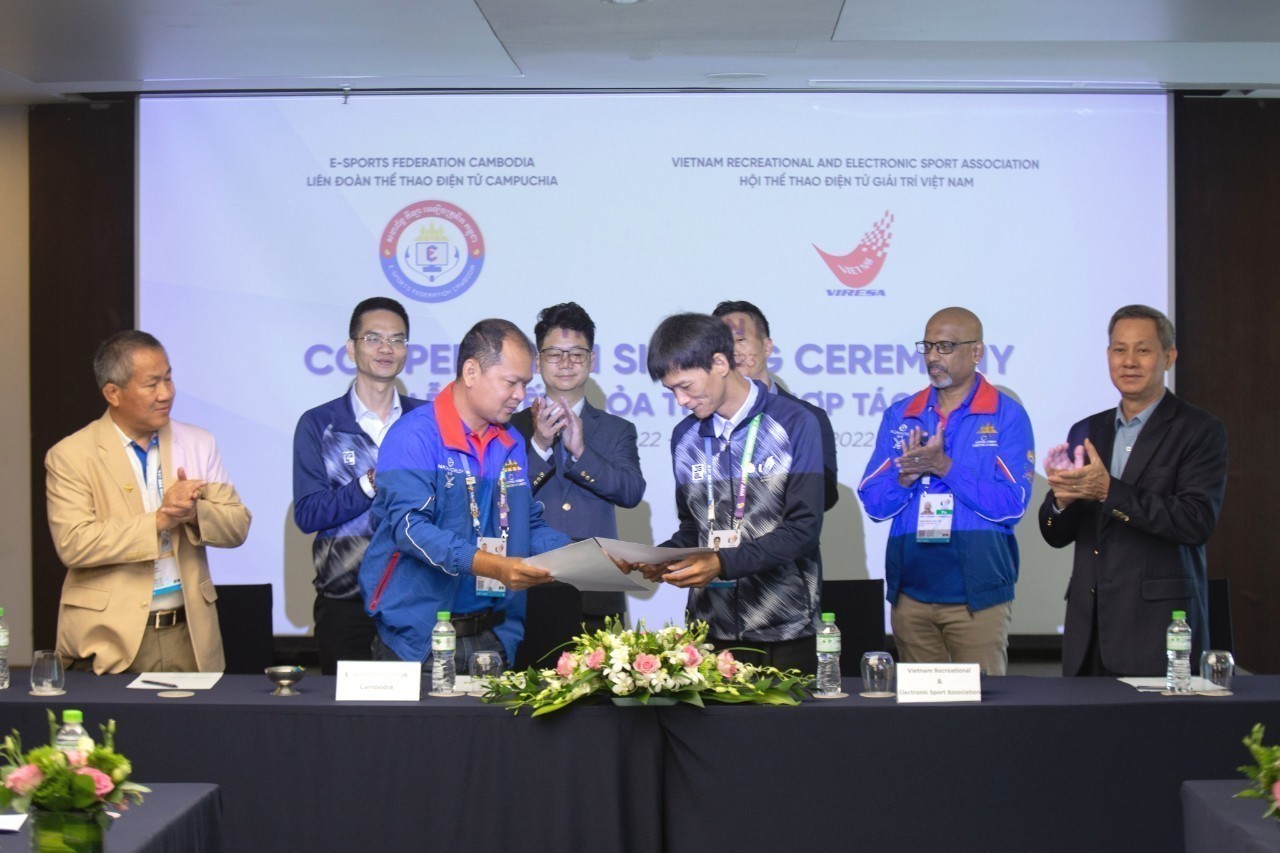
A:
(489, 587)
(167, 578)
(934, 516)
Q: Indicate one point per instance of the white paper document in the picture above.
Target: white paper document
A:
(586, 564)
(1157, 685)
(12, 822)
(175, 681)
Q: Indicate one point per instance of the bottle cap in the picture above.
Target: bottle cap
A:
(71, 715)
(828, 617)
(442, 616)
(1179, 614)
(1, 612)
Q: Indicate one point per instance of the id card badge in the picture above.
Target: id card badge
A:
(720, 540)
(933, 518)
(488, 587)
(723, 539)
(167, 578)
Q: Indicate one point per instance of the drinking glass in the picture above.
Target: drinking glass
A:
(877, 675)
(47, 675)
(483, 666)
(1217, 667)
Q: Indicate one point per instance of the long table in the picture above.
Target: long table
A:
(174, 818)
(1040, 763)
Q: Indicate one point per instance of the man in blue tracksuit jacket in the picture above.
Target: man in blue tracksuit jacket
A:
(454, 512)
(953, 467)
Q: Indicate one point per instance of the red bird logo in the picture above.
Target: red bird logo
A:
(860, 267)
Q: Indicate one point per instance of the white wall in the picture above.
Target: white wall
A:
(15, 413)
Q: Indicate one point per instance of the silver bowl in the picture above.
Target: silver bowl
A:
(284, 677)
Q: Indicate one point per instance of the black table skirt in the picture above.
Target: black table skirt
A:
(1216, 821)
(174, 818)
(315, 774)
(1039, 764)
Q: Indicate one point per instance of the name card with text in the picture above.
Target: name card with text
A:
(378, 681)
(939, 682)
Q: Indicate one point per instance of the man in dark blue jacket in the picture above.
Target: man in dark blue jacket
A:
(952, 467)
(749, 488)
(584, 462)
(335, 453)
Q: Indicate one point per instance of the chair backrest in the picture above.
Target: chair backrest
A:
(553, 616)
(1221, 634)
(859, 609)
(244, 614)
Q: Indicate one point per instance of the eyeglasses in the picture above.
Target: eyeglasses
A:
(943, 347)
(395, 341)
(554, 355)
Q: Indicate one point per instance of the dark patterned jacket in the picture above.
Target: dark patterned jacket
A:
(330, 455)
(776, 572)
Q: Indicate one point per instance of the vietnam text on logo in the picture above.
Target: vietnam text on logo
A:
(432, 251)
(860, 267)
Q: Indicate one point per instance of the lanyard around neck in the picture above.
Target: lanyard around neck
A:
(503, 510)
(740, 504)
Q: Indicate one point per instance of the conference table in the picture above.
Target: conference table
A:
(174, 818)
(1040, 763)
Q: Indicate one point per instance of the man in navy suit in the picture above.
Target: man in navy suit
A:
(582, 462)
(1138, 489)
(335, 452)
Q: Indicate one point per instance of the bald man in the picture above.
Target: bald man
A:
(953, 468)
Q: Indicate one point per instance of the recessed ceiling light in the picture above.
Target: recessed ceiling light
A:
(735, 75)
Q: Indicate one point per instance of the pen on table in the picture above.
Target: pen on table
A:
(160, 684)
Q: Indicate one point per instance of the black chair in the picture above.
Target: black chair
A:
(859, 609)
(553, 616)
(244, 614)
(1221, 635)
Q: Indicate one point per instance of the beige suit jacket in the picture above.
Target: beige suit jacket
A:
(109, 543)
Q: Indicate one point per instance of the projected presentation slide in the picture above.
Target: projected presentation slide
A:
(849, 219)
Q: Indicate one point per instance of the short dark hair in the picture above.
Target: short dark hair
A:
(741, 306)
(376, 303)
(113, 362)
(1164, 326)
(688, 342)
(484, 342)
(569, 316)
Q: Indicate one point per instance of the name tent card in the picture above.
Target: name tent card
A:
(378, 681)
(939, 682)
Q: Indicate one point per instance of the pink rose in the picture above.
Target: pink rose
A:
(727, 666)
(596, 659)
(102, 784)
(646, 664)
(1275, 792)
(564, 668)
(691, 655)
(76, 758)
(25, 779)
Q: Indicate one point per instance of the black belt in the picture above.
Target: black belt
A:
(166, 618)
(470, 624)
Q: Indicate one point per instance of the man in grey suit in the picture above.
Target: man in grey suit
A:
(1137, 489)
(582, 462)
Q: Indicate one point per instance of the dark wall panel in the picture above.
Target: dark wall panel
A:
(1227, 182)
(82, 269)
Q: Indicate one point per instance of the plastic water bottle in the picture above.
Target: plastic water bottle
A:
(444, 645)
(4, 652)
(1177, 644)
(71, 731)
(828, 683)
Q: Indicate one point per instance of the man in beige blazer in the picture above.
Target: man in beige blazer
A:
(134, 498)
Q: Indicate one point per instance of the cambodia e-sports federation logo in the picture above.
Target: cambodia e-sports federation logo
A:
(861, 266)
(432, 251)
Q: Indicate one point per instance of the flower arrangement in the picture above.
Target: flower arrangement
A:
(674, 663)
(85, 779)
(1265, 774)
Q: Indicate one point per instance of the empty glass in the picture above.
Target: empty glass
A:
(47, 675)
(877, 675)
(482, 667)
(1217, 667)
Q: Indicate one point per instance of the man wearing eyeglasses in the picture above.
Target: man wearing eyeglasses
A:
(965, 451)
(335, 453)
(582, 462)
